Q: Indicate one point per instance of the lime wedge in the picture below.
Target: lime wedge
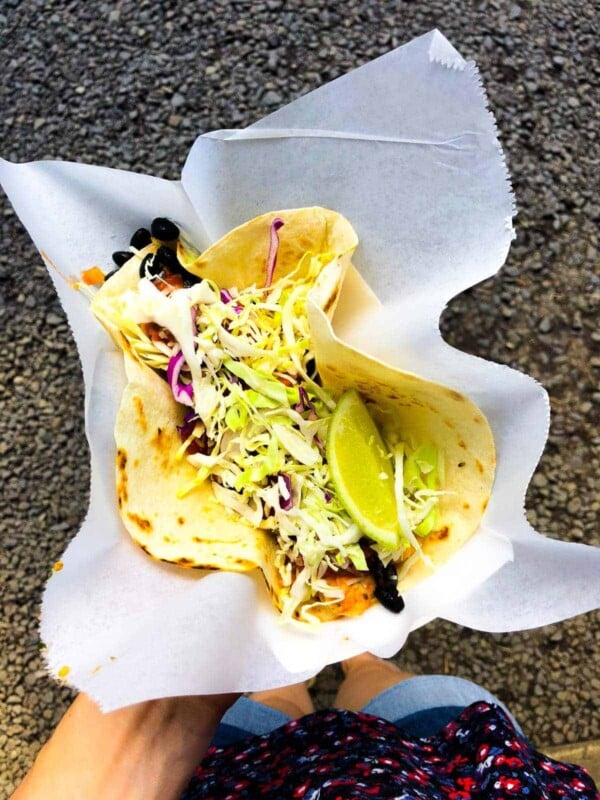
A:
(362, 475)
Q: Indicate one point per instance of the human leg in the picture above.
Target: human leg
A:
(294, 700)
(366, 676)
(262, 712)
(419, 704)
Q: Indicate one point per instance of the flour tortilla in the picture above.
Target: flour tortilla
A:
(419, 412)
(195, 530)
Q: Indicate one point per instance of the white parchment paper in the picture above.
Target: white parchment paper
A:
(407, 150)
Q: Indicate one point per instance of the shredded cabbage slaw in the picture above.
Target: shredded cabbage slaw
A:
(256, 420)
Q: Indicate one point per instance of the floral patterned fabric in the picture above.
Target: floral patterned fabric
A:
(335, 755)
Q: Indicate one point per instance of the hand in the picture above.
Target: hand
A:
(148, 750)
(209, 703)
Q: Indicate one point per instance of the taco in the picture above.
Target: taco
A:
(234, 376)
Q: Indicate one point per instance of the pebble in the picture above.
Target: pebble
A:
(54, 319)
(272, 98)
(47, 697)
(574, 506)
(114, 94)
(30, 680)
(515, 12)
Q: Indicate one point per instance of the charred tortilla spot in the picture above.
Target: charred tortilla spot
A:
(122, 489)
(196, 539)
(136, 463)
(484, 505)
(180, 520)
(121, 459)
(143, 524)
(477, 419)
(160, 440)
(454, 395)
(466, 506)
(185, 562)
(448, 424)
(443, 533)
(462, 444)
(121, 476)
(244, 563)
(461, 463)
(139, 410)
(479, 466)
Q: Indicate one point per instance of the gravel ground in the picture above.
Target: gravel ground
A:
(130, 85)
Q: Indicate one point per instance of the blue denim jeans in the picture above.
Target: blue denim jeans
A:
(421, 706)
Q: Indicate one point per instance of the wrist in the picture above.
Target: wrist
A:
(148, 750)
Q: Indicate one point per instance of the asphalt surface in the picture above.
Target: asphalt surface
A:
(130, 85)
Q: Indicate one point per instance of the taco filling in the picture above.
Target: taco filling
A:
(253, 416)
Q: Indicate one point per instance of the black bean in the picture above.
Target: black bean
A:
(121, 256)
(189, 279)
(164, 230)
(140, 239)
(150, 267)
(386, 581)
(390, 599)
(168, 258)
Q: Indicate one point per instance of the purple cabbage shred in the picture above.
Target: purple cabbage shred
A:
(273, 248)
(284, 483)
(182, 392)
